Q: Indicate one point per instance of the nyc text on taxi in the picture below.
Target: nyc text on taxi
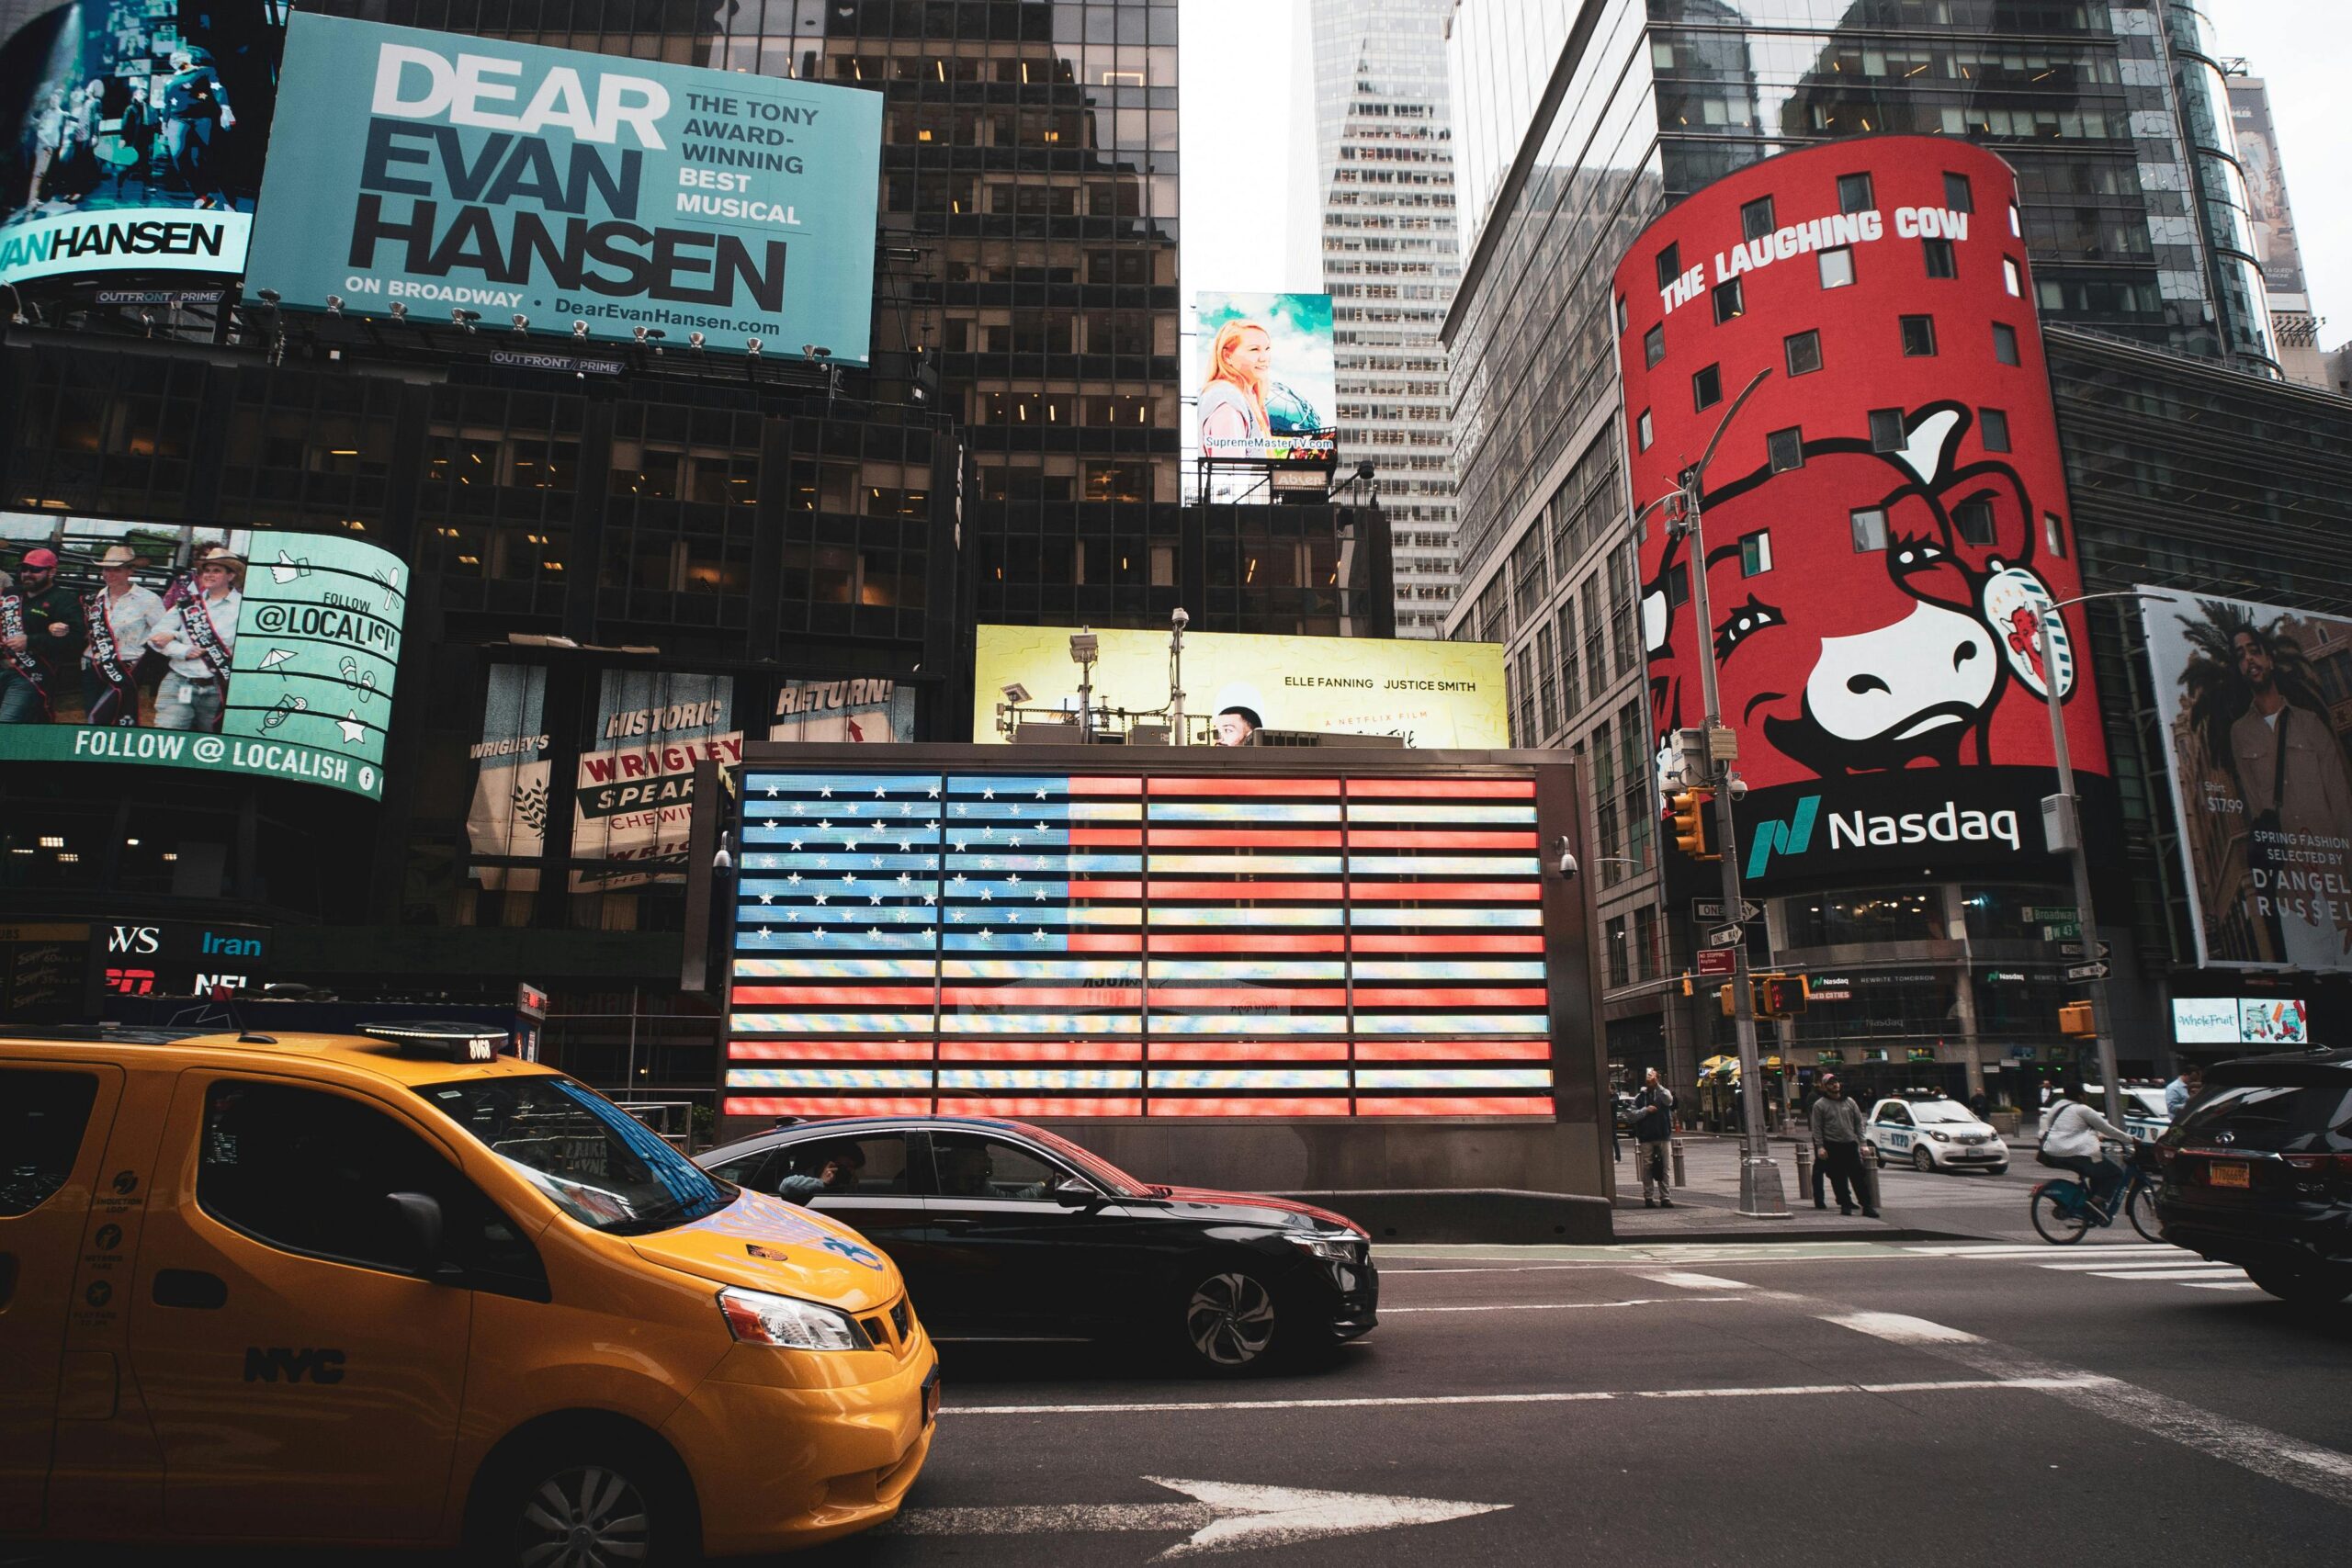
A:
(402, 1290)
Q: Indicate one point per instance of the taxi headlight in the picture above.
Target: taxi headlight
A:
(756, 1317)
(1940, 1137)
(1332, 1246)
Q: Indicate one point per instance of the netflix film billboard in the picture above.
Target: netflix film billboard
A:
(1885, 519)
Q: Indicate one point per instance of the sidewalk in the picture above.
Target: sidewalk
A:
(1705, 1207)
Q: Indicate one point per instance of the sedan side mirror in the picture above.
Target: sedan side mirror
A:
(1073, 1193)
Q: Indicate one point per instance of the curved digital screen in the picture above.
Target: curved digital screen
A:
(140, 127)
(226, 650)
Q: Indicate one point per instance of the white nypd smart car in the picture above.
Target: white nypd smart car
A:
(1933, 1135)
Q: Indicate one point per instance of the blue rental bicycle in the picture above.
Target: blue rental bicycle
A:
(2063, 1210)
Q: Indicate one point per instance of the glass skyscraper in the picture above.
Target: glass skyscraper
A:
(1383, 148)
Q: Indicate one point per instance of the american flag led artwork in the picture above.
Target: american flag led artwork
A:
(1055, 945)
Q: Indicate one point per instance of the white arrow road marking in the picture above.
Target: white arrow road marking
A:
(1224, 1516)
(1696, 1281)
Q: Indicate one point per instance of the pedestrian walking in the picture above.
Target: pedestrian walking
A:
(1837, 1125)
(2182, 1089)
(1652, 1130)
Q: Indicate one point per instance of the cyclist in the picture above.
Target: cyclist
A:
(2071, 1135)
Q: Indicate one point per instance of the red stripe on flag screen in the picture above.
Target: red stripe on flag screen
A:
(1050, 945)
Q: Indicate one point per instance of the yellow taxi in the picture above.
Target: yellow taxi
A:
(396, 1288)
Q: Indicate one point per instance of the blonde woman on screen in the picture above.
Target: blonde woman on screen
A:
(1233, 400)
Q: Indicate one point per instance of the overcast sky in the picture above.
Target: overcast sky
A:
(1246, 184)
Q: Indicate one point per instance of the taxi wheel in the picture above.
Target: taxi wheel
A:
(1230, 1321)
(597, 1502)
(1923, 1162)
(2300, 1287)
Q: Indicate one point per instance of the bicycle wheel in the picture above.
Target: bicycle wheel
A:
(2058, 1212)
(2141, 1206)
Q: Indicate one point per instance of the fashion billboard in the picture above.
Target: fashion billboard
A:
(222, 649)
(1885, 519)
(1267, 377)
(1446, 695)
(2265, 186)
(138, 126)
(564, 190)
(2261, 791)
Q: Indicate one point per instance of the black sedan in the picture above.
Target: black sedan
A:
(1006, 1231)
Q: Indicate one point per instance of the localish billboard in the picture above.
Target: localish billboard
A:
(570, 189)
(1431, 695)
(138, 134)
(1266, 378)
(229, 649)
(2261, 791)
(1885, 519)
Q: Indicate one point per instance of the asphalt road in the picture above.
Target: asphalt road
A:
(1756, 1404)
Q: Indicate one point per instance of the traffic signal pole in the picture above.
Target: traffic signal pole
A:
(1760, 1192)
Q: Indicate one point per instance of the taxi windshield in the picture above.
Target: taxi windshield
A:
(594, 1160)
(1941, 1113)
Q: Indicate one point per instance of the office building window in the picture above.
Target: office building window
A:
(2005, 343)
(1854, 193)
(1669, 265)
(1727, 302)
(1993, 426)
(2053, 533)
(1974, 519)
(1957, 196)
(1802, 351)
(2013, 277)
(1621, 313)
(1918, 336)
(1756, 555)
(1941, 261)
(1785, 448)
(1870, 529)
(1837, 267)
(1653, 346)
(1756, 218)
(1642, 432)
(1707, 388)
(1886, 430)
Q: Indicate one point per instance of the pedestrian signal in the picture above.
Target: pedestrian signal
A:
(1781, 996)
(1690, 823)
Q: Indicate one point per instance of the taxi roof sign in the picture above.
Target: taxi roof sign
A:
(446, 1041)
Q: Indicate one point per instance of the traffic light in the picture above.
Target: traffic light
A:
(1771, 995)
(1690, 823)
(1781, 996)
(2076, 1018)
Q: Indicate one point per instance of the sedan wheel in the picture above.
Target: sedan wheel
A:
(1922, 1161)
(1229, 1322)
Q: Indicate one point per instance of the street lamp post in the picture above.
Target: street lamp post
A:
(2086, 918)
(1760, 1193)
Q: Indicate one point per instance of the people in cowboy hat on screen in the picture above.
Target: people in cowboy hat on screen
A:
(119, 616)
(198, 639)
(41, 632)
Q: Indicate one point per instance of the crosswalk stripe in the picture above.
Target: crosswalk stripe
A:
(2031, 1249)
(2221, 1285)
(2085, 1265)
(2182, 1275)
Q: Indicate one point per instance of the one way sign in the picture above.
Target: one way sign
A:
(2087, 971)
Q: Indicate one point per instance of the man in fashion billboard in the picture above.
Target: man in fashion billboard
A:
(2260, 779)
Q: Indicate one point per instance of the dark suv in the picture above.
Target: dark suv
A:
(2258, 1173)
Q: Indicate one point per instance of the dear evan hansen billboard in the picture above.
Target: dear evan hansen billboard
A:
(1885, 521)
(464, 174)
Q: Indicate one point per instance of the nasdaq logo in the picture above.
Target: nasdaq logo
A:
(1792, 837)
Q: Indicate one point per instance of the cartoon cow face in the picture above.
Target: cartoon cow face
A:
(1901, 608)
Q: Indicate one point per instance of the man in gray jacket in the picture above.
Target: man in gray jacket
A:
(1837, 1144)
